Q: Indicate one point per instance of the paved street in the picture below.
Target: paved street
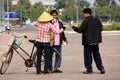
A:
(72, 64)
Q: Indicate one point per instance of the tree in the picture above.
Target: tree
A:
(69, 11)
(32, 13)
(36, 11)
(23, 7)
(103, 2)
(105, 9)
(60, 4)
(70, 8)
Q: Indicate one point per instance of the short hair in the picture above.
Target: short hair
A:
(87, 10)
(53, 11)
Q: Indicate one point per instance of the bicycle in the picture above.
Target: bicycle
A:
(31, 61)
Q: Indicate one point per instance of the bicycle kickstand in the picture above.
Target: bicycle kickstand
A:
(26, 70)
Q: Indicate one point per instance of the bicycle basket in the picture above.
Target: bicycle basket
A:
(17, 43)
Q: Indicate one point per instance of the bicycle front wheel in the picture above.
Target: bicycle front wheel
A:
(6, 62)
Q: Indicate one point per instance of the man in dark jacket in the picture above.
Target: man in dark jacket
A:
(58, 39)
(91, 29)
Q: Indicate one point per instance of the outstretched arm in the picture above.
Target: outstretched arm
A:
(82, 28)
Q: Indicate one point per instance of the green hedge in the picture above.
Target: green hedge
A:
(108, 27)
(111, 27)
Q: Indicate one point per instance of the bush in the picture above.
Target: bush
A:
(78, 25)
(107, 27)
(111, 27)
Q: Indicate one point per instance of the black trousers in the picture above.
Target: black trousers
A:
(92, 51)
(40, 47)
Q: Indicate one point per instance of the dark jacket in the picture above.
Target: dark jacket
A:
(62, 35)
(91, 31)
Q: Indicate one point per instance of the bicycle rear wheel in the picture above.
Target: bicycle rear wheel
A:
(34, 58)
(6, 62)
(56, 53)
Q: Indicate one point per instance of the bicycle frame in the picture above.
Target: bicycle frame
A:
(12, 47)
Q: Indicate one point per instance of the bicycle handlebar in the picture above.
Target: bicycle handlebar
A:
(32, 41)
(16, 36)
(25, 36)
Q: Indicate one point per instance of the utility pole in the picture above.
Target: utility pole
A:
(110, 4)
(1, 10)
(94, 7)
(94, 10)
(21, 17)
(8, 12)
(3, 19)
(77, 14)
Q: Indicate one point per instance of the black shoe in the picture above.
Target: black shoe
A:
(87, 72)
(102, 72)
(46, 73)
(50, 70)
(38, 73)
(42, 71)
(58, 71)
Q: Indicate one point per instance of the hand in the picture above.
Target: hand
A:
(62, 29)
(71, 25)
(66, 42)
(25, 36)
(59, 31)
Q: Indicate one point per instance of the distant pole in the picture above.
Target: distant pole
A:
(3, 10)
(7, 12)
(77, 14)
(21, 18)
(94, 10)
(110, 4)
(93, 5)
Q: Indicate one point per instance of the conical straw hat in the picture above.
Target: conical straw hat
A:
(45, 17)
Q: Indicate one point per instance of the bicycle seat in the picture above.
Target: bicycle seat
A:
(32, 41)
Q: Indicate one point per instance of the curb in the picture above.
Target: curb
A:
(118, 32)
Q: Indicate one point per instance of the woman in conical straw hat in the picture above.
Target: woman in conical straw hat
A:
(43, 39)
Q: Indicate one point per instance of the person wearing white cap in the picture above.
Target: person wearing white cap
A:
(43, 40)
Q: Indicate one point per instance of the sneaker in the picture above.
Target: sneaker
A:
(46, 73)
(58, 71)
(102, 72)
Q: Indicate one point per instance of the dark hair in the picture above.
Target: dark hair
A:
(87, 10)
(53, 11)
